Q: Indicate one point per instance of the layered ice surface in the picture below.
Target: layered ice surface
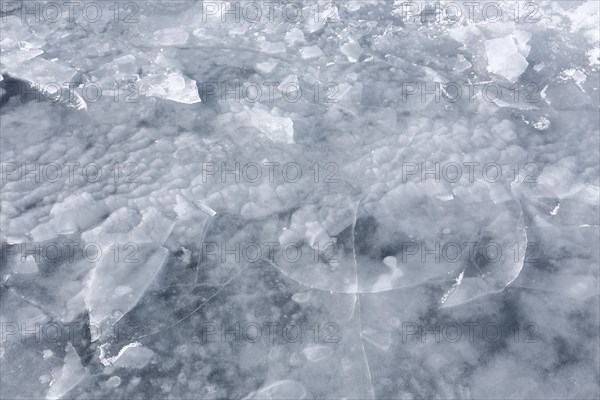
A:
(360, 200)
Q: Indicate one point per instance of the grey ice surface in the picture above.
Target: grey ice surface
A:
(299, 200)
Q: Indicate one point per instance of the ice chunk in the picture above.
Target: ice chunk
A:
(133, 266)
(255, 211)
(71, 373)
(309, 52)
(266, 67)
(133, 357)
(316, 236)
(278, 129)
(113, 381)
(504, 58)
(462, 64)
(295, 35)
(173, 86)
(289, 85)
(352, 50)
(18, 44)
(171, 36)
(301, 297)
(29, 266)
(316, 353)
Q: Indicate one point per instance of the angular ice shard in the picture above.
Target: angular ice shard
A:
(172, 86)
(18, 44)
(71, 373)
(309, 52)
(132, 356)
(505, 56)
(352, 50)
(52, 80)
(117, 284)
(131, 255)
(278, 129)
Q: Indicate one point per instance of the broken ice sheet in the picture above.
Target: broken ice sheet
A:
(498, 258)
(115, 287)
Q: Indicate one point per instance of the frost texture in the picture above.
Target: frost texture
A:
(166, 195)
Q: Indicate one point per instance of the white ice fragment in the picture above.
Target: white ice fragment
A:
(289, 85)
(273, 48)
(136, 265)
(576, 75)
(463, 34)
(316, 353)
(295, 35)
(521, 39)
(266, 67)
(504, 58)
(278, 129)
(316, 236)
(301, 297)
(133, 357)
(594, 56)
(113, 381)
(205, 209)
(42, 72)
(71, 373)
(462, 64)
(255, 211)
(352, 51)
(173, 86)
(585, 19)
(309, 52)
(456, 284)
(542, 124)
(391, 262)
(27, 266)
(171, 36)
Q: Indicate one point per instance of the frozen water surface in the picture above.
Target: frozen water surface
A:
(279, 200)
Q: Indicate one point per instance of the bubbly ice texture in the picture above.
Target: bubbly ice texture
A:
(167, 202)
